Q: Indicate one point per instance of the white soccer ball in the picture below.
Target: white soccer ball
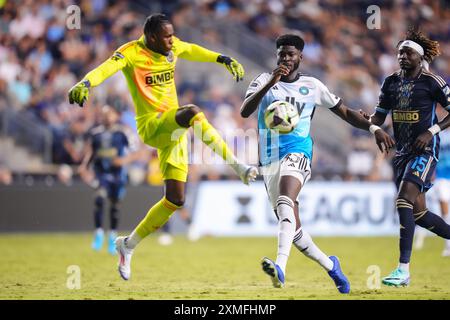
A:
(281, 116)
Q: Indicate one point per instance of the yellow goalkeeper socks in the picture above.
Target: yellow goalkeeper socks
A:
(209, 135)
(156, 217)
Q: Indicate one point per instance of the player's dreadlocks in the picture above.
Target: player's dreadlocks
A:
(154, 22)
(430, 47)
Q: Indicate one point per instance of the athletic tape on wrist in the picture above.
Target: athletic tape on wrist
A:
(434, 129)
(373, 128)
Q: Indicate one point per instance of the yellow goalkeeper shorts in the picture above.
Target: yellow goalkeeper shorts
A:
(162, 132)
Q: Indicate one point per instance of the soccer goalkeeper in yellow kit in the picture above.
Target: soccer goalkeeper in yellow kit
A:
(149, 65)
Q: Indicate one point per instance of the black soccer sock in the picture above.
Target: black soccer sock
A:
(98, 212)
(407, 226)
(114, 215)
(433, 222)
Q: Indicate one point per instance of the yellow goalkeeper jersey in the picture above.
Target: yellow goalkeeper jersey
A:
(150, 75)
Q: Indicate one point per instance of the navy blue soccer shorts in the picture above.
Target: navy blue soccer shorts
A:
(418, 169)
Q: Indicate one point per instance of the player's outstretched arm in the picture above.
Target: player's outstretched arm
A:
(79, 93)
(252, 101)
(376, 118)
(356, 119)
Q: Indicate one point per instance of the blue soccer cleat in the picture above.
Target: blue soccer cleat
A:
(112, 243)
(97, 243)
(274, 272)
(397, 278)
(341, 281)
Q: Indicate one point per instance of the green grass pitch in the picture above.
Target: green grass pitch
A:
(34, 266)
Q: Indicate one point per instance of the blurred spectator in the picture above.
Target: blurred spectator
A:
(5, 176)
(74, 142)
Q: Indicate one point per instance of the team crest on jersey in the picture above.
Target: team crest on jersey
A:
(303, 90)
(170, 57)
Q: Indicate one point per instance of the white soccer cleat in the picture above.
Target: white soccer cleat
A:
(246, 173)
(124, 258)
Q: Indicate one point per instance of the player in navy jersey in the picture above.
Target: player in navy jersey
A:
(286, 159)
(108, 152)
(411, 95)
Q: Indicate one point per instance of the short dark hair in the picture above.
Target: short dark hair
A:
(154, 22)
(290, 40)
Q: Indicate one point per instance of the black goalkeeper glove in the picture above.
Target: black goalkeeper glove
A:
(234, 67)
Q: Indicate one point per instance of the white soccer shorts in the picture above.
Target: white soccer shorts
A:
(293, 164)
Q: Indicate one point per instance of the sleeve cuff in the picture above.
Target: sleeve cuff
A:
(337, 105)
(381, 110)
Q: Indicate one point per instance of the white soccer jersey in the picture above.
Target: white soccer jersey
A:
(306, 94)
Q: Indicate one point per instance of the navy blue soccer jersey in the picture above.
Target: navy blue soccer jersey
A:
(412, 103)
(108, 144)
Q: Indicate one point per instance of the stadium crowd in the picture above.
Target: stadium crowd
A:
(41, 58)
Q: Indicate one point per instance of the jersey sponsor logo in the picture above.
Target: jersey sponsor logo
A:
(406, 116)
(159, 78)
(107, 153)
(303, 90)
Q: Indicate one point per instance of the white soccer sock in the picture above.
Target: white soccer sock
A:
(304, 243)
(286, 230)
(99, 231)
(132, 240)
(404, 267)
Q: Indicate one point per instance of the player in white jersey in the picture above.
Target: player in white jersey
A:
(285, 160)
(441, 189)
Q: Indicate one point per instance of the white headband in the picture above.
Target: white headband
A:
(413, 45)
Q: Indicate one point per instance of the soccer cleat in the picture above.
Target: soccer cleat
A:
(397, 278)
(340, 280)
(274, 271)
(112, 243)
(246, 173)
(97, 243)
(124, 258)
